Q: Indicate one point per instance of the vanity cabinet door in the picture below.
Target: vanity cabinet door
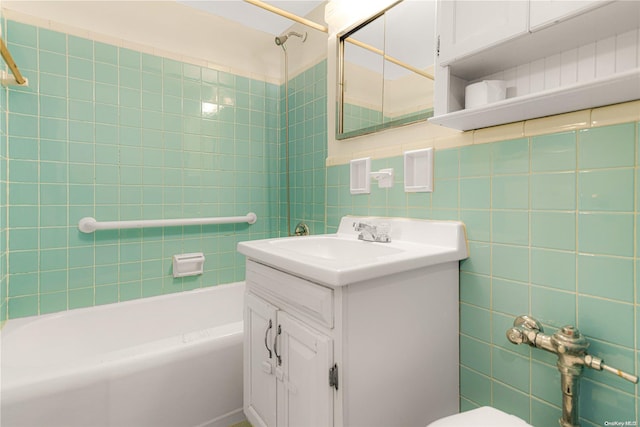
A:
(468, 26)
(305, 397)
(259, 362)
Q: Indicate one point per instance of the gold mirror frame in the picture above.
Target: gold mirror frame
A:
(343, 130)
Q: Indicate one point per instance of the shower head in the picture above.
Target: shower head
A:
(280, 40)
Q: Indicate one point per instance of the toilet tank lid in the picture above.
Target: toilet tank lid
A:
(485, 416)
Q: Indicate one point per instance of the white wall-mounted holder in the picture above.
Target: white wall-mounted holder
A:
(188, 264)
(7, 79)
(418, 171)
(384, 177)
(359, 181)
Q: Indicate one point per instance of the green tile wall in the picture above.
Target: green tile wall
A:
(117, 134)
(307, 149)
(113, 133)
(552, 228)
(3, 194)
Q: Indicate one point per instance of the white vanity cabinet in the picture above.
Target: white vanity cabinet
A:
(555, 56)
(342, 332)
(373, 354)
(286, 362)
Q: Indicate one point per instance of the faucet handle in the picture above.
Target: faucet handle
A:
(596, 363)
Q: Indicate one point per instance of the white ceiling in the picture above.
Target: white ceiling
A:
(253, 16)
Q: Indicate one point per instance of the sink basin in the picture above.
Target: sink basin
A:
(331, 247)
(340, 259)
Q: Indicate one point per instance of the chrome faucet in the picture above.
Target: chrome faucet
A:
(571, 348)
(370, 233)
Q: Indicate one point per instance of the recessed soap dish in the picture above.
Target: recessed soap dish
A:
(418, 170)
(360, 171)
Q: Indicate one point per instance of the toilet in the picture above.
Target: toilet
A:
(485, 416)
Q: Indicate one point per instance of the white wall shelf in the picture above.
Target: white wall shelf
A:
(612, 90)
(584, 59)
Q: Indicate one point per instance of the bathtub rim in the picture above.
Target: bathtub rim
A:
(22, 321)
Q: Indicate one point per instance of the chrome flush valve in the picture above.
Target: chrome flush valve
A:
(571, 348)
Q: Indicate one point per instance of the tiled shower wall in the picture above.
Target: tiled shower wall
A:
(116, 134)
(3, 196)
(307, 149)
(551, 222)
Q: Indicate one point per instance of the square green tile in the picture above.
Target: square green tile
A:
(475, 160)
(554, 230)
(509, 297)
(129, 58)
(106, 53)
(53, 259)
(475, 289)
(51, 84)
(554, 269)
(445, 194)
(475, 354)
(479, 260)
(606, 233)
(106, 93)
(607, 147)
(23, 125)
(555, 191)
(23, 284)
(606, 190)
(80, 89)
(511, 369)
(106, 294)
(80, 68)
(151, 63)
(606, 277)
(510, 192)
(53, 302)
(510, 227)
(553, 153)
(52, 41)
(80, 47)
(53, 106)
(510, 262)
(475, 193)
(475, 322)
(106, 73)
(23, 261)
(510, 157)
(22, 306)
(22, 34)
(23, 103)
(79, 298)
(607, 320)
(477, 224)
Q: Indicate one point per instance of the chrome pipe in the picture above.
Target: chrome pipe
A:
(571, 348)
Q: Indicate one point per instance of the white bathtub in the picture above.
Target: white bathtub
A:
(172, 360)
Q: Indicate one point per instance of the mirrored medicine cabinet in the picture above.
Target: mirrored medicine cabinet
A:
(385, 69)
